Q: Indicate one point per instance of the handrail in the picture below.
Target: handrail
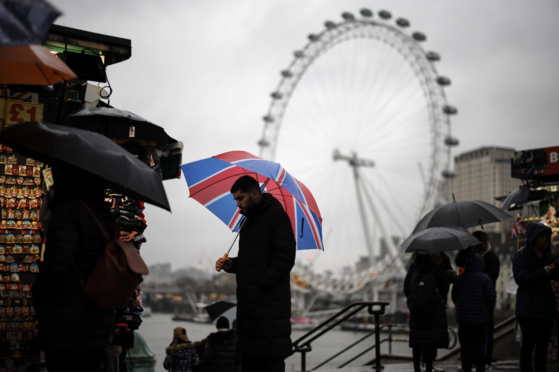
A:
(303, 344)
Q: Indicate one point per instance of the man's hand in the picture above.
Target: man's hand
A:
(224, 264)
(550, 268)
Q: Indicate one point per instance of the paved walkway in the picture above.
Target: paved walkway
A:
(504, 366)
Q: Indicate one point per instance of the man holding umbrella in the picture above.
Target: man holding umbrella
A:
(266, 256)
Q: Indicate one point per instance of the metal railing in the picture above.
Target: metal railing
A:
(303, 344)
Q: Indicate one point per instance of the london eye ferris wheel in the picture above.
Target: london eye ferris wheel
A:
(360, 116)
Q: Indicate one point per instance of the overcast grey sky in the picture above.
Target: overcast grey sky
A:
(204, 70)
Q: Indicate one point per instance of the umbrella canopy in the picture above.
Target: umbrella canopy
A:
(32, 65)
(209, 181)
(439, 239)
(225, 307)
(25, 21)
(521, 196)
(115, 123)
(88, 151)
(467, 213)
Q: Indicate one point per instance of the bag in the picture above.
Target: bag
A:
(424, 296)
(116, 274)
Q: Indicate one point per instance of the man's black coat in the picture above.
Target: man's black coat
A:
(266, 256)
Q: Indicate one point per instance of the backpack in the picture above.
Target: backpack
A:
(424, 296)
(116, 274)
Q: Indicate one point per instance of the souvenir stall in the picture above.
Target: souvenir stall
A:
(21, 246)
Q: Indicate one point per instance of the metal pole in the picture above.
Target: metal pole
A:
(303, 361)
(363, 215)
(378, 367)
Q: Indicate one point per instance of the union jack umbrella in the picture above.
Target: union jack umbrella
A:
(209, 181)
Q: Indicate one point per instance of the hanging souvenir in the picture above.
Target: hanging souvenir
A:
(10, 180)
(2, 236)
(33, 204)
(4, 213)
(2, 180)
(34, 249)
(18, 249)
(36, 238)
(30, 161)
(33, 215)
(2, 250)
(26, 224)
(28, 259)
(19, 225)
(2, 191)
(25, 191)
(37, 192)
(12, 203)
(22, 204)
(20, 180)
(14, 287)
(10, 259)
(19, 238)
(37, 181)
(34, 268)
(2, 288)
(3, 159)
(8, 249)
(22, 268)
(14, 268)
(15, 278)
(29, 171)
(25, 214)
(22, 170)
(11, 224)
(36, 171)
(18, 215)
(15, 170)
(13, 191)
(6, 149)
(2, 258)
(27, 288)
(9, 311)
(34, 225)
(11, 214)
(27, 238)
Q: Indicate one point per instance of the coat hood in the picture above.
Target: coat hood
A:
(474, 263)
(533, 230)
(171, 350)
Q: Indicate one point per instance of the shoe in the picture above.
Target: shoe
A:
(488, 367)
(459, 369)
(437, 369)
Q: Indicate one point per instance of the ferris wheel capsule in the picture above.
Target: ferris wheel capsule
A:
(298, 54)
(449, 174)
(433, 56)
(451, 141)
(286, 74)
(419, 36)
(385, 14)
(443, 80)
(268, 119)
(313, 37)
(329, 25)
(348, 16)
(277, 95)
(402, 22)
(366, 13)
(450, 110)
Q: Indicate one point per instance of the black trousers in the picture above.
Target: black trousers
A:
(472, 346)
(489, 342)
(428, 356)
(263, 365)
(536, 333)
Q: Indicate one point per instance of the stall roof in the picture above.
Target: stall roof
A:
(114, 49)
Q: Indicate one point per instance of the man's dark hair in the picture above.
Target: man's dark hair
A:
(222, 322)
(245, 184)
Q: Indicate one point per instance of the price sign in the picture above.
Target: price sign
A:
(13, 112)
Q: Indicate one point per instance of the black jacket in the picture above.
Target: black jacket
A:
(535, 297)
(68, 321)
(473, 293)
(433, 331)
(492, 263)
(220, 354)
(266, 256)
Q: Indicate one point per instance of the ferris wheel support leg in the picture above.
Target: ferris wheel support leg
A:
(388, 239)
(363, 216)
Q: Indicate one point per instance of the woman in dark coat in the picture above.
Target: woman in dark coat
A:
(428, 332)
(72, 330)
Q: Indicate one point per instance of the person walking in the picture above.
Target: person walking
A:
(220, 353)
(533, 268)
(72, 330)
(492, 269)
(474, 296)
(263, 266)
(426, 287)
(181, 355)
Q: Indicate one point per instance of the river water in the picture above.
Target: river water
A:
(157, 330)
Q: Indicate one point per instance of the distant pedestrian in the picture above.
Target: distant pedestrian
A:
(73, 331)
(474, 296)
(533, 267)
(220, 354)
(426, 287)
(181, 355)
(492, 269)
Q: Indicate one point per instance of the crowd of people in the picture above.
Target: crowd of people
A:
(428, 283)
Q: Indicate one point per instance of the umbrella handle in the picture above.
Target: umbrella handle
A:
(224, 257)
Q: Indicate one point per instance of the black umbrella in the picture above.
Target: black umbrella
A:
(88, 151)
(220, 308)
(115, 123)
(465, 214)
(521, 196)
(439, 239)
(25, 22)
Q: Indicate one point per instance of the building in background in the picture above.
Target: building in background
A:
(485, 174)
